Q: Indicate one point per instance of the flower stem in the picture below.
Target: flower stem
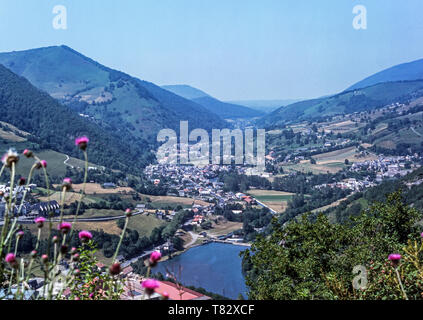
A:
(82, 193)
(26, 188)
(6, 218)
(120, 240)
(400, 283)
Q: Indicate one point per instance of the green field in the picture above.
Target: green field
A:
(55, 163)
(272, 198)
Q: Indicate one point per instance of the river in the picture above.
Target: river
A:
(215, 267)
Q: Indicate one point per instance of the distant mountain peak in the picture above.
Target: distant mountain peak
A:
(223, 109)
(109, 96)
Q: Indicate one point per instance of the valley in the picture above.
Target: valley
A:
(334, 156)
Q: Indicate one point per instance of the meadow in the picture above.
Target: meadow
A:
(277, 200)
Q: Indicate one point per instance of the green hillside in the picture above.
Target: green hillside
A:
(352, 101)
(112, 98)
(53, 126)
(403, 72)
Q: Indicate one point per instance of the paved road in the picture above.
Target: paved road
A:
(67, 159)
(414, 130)
(194, 237)
(23, 220)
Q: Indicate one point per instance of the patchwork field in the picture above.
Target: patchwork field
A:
(340, 155)
(342, 127)
(305, 166)
(95, 188)
(277, 200)
(412, 135)
(332, 162)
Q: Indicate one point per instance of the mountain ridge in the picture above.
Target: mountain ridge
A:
(55, 126)
(111, 97)
(223, 109)
(408, 71)
(399, 83)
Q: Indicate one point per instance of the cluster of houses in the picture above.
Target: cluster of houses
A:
(388, 167)
(194, 182)
(384, 168)
(349, 184)
(297, 155)
(27, 210)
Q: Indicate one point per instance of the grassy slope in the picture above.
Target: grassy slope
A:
(346, 102)
(67, 74)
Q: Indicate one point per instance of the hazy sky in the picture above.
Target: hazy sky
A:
(232, 49)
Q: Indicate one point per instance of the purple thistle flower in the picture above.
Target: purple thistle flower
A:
(85, 235)
(65, 227)
(40, 221)
(10, 258)
(82, 142)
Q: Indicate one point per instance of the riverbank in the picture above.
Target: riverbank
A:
(177, 253)
(215, 266)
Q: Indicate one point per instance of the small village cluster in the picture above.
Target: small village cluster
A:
(388, 167)
(28, 211)
(197, 183)
(383, 168)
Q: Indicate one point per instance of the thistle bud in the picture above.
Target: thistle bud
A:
(75, 257)
(67, 184)
(28, 153)
(154, 258)
(44, 258)
(33, 253)
(82, 142)
(40, 222)
(55, 239)
(41, 164)
(115, 269)
(395, 259)
(20, 234)
(64, 249)
(11, 259)
(128, 212)
(165, 296)
(22, 181)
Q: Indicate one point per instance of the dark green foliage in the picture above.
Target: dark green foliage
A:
(298, 260)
